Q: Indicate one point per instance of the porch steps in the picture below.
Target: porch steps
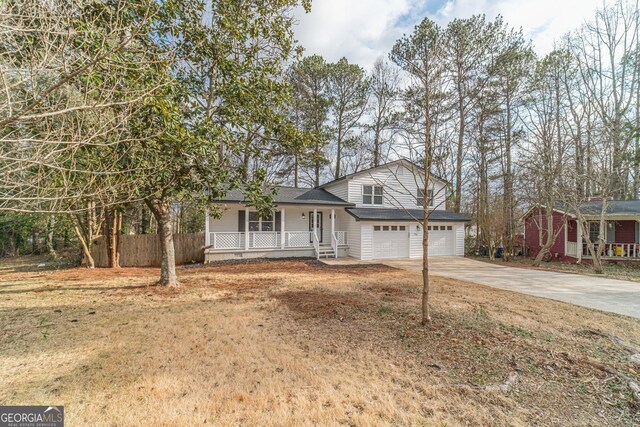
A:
(326, 251)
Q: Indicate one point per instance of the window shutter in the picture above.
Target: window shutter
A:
(278, 218)
(241, 214)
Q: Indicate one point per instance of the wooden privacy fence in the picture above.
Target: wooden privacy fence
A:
(143, 250)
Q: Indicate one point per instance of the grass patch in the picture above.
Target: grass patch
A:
(295, 343)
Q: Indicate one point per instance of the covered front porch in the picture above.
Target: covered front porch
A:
(290, 231)
(621, 236)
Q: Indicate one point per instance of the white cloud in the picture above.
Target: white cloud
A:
(360, 30)
(363, 30)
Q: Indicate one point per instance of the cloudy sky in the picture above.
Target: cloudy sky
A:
(363, 30)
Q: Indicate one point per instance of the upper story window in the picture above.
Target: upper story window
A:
(371, 195)
(420, 197)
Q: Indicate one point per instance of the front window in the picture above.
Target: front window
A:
(420, 197)
(372, 195)
(258, 223)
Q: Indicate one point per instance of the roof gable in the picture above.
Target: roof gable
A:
(387, 166)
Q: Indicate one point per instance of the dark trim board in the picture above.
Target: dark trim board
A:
(404, 215)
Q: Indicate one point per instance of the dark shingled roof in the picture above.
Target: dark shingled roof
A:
(293, 196)
(615, 207)
(384, 214)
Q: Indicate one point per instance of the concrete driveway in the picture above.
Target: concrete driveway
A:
(616, 296)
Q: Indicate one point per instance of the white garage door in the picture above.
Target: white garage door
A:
(441, 240)
(390, 241)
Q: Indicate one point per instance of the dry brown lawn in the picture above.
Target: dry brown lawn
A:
(294, 343)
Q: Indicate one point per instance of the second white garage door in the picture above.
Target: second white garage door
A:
(441, 240)
(390, 241)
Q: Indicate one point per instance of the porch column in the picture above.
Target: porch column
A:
(315, 220)
(333, 221)
(282, 228)
(333, 229)
(579, 240)
(246, 229)
(207, 237)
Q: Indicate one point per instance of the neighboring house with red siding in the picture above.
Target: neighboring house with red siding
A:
(622, 232)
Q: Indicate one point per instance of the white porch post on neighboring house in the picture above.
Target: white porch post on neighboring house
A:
(579, 240)
(566, 236)
(207, 237)
(282, 228)
(246, 229)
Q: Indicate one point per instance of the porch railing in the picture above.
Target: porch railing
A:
(226, 240)
(572, 249)
(268, 240)
(334, 244)
(297, 239)
(264, 239)
(341, 236)
(617, 250)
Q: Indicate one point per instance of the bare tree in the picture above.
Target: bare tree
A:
(607, 56)
(385, 81)
(420, 55)
(547, 150)
(67, 90)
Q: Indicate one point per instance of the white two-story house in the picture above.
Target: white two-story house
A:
(372, 214)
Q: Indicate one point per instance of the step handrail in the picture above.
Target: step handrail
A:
(334, 244)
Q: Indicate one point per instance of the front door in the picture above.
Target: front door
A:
(318, 224)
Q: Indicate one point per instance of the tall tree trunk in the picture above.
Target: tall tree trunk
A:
(296, 170)
(112, 235)
(162, 213)
(508, 188)
(426, 316)
(87, 258)
(461, 129)
(35, 240)
(145, 220)
(376, 146)
(51, 224)
(338, 150)
(636, 152)
(550, 238)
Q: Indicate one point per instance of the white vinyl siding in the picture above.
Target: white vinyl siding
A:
(399, 189)
(366, 239)
(415, 241)
(354, 238)
(340, 190)
(228, 222)
(459, 249)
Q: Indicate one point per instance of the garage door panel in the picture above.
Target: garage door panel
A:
(390, 241)
(441, 240)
